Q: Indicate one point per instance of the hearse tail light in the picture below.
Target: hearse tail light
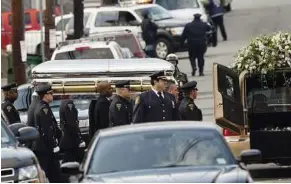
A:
(227, 133)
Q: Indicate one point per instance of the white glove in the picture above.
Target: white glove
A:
(56, 149)
(82, 144)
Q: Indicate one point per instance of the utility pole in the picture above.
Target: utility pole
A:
(49, 24)
(17, 36)
(78, 19)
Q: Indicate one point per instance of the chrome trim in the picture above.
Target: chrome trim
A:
(7, 169)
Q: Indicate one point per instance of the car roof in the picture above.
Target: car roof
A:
(113, 7)
(97, 44)
(158, 126)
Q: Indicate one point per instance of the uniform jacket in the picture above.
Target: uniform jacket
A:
(215, 8)
(195, 33)
(149, 31)
(10, 112)
(69, 125)
(101, 115)
(149, 108)
(30, 113)
(120, 111)
(47, 127)
(91, 117)
(189, 111)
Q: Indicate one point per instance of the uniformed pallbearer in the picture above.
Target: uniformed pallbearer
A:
(10, 95)
(156, 105)
(47, 146)
(188, 109)
(71, 144)
(120, 110)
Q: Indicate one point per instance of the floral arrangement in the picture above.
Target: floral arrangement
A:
(265, 54)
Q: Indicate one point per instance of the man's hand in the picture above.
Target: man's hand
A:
(82, 144)
(56, 149)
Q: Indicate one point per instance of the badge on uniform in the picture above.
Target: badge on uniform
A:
(173, 104)
(70, 106)
(118, 106)
(191, 106)
(9, 108)
(137, 100)
(45, 110)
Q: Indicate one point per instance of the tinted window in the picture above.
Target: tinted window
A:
(182, 147)
(59, 24)
(6, 137)
(23, 100)
(98, 53)
(156, 13)
(127, 41)
(27, 19)
(177, 4)
(107, 19)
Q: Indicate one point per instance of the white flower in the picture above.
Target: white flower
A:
(263, 71)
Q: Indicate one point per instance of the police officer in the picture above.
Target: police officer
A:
(8, 109)
(188, 109)
(31, 109)
(172, 88)
(216, 11)
(71, 144)
(156, 105)
(101, 109)
(120, 110)
(195, 33)
(149, 34)
(47, 145)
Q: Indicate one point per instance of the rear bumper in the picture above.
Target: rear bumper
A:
(238, 144)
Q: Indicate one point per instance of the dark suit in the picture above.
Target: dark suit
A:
(101, 115)
(10, 112)
(150, 108)
(120, 111)
(189, 111)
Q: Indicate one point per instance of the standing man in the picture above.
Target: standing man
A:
(216, 11)
(172, 88)
(8, 109)
(101, 110)
(195, 33)
(71, 144)
(188, 109)
(149, 34)
(47, 148)
(120, 111)
(156, 105)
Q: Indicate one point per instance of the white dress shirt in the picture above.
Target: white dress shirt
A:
(157, 93)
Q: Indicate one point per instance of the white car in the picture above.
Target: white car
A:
(33, 38)
(90, 50)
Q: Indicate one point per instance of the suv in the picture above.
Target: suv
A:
(19, 164)
(89, 50)
(109, 18)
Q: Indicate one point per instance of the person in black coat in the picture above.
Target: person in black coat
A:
(188, 109)
(8, 109)
(120, 110)
(156, 105)
(47, 146)
(71, 144)
(101, 110)
(195, 33)
(149, 34)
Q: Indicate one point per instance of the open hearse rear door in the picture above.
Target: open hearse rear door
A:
(228, 108)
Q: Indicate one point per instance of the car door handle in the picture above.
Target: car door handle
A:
(220, 104)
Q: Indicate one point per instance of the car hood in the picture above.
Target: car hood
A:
(174, 175)
(187, 13)
(15, 157)
(172, 22)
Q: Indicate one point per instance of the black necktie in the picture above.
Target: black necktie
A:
(160, 96)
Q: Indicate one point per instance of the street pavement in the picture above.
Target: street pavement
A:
(248, 19)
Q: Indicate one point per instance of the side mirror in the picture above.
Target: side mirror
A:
(15, 128)
(27, 134)
(251, 156)
(70, 168)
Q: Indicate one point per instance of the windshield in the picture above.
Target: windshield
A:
(81, 102)
(148, 150)
(177, 4)
(6, 137)
(127, 41)
(97, 53)
(156, 13)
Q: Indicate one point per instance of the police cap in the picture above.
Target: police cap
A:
(9, 87)
(197, 15)
(122, 84)
(44, 88)
(190, 86)
(159, 75)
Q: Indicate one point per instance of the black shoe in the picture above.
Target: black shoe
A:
(194, 73)
(224, 39)
(201, 74)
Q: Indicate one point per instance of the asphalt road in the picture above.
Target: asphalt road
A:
(248, 19)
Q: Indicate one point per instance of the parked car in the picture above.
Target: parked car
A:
(18, 163)
(183, 152)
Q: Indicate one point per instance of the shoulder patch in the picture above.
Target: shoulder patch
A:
(118, 106)
(45, 110)
(9, 108)
(191, 106)
(137, 100)
(70, 106)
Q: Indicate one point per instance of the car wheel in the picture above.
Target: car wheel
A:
(163, 48)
